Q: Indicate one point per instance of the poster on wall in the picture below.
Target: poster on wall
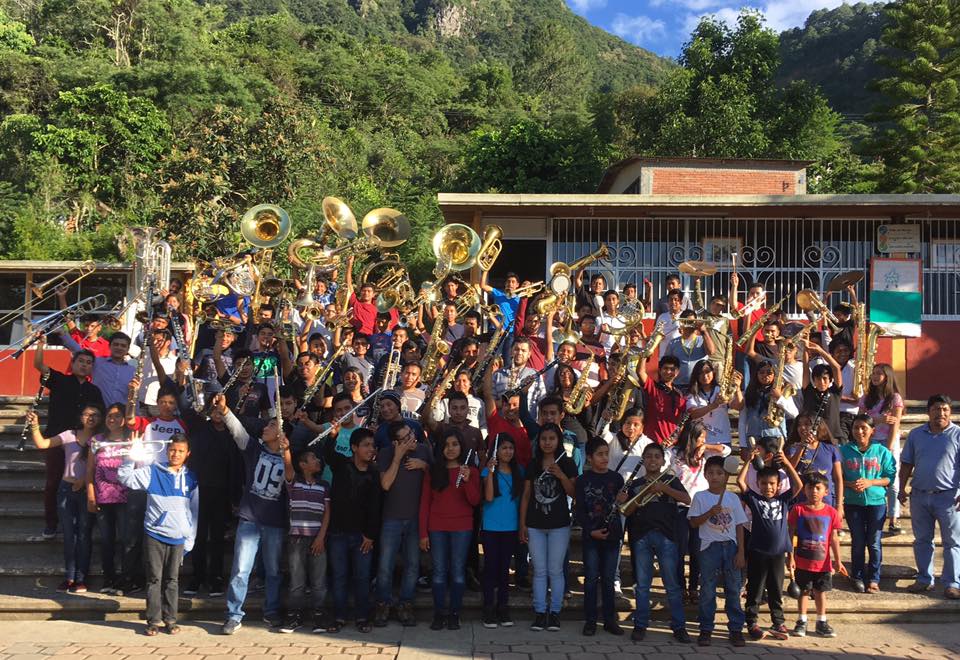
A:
(896, 298)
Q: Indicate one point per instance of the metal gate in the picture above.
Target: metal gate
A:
(783, 254)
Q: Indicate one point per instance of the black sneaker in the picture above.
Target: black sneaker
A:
(522, 583)
(681, 636)
(291, 624)
(703, 639)
(800, 629)
(589, 629)
(216, 587)
(439, 622)
(230, 626)
(272, 620)
(192, 588)
(321, 622)
(539, 623)
(736, 639)
(473, 584)
(380, 615)
(613, 628)
(133, 588)
(453, 622)
(405, 615)
(503, 617)
(755, 631)
(553, 622)
(489, 619)
(423, 583)
(639, 634)
(824, 629)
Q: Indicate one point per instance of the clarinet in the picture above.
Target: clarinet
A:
(526, 381)
(817, 418)
(193, 387)
(672, 439)
(33, 408)
(614, 511)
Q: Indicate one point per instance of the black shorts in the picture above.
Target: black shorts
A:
(807, 580)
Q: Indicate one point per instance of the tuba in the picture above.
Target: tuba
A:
(456, 248)
(265, 226)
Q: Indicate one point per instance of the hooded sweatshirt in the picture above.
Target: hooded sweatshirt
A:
(173, 501)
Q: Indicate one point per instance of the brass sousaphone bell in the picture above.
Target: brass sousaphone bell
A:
(456, 247)
(265, 226)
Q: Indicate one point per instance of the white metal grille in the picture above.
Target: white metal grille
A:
(784, 254)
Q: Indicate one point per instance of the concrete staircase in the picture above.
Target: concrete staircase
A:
(30, 568)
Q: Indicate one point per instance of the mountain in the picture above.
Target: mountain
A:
(837, 50)
(469, 31)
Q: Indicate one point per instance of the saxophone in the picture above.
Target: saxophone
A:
(759, 323)
(440, 390)
(727, 384)
(867, 335)
(774, 416)
(493, 349)
(619, 397)
(581, 391)
(435, 351)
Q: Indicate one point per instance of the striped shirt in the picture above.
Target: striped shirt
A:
(307, 505)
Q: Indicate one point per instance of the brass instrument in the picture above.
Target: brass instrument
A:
(265, 226)
(698, 269)
(727, 384)
(754, 303)
(42, 292)
(581, 392)
(490, 248)
(646, 494)
(774, 416)
(138, 450)
(469, 300)
(340, 220)
(150, 256)
(435, 351)
(619, 397)
(390, 376)
(529, 290)
(809, 301)
(759, 323)
(562, 274)
(305, 299)
(52, 322)
(456, 247)
(382, 228)
(146, 322)
(312, 312)
(550, 303)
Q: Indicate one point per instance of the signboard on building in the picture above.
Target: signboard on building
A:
(896, 299)
(898, 238)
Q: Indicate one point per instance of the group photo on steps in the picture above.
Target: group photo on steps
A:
(358, 439)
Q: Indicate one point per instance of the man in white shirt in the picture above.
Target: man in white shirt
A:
(668, 320)
(610, 319)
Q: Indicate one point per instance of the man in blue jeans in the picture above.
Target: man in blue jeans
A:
(402, 466)
(932, 457)
(263, 516)
(653, 531)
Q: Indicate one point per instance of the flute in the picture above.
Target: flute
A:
(466, 462)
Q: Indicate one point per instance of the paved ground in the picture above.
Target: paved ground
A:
(29, 640)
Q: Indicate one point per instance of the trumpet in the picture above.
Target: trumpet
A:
(490, 248)
(646, 494)
(529, 290)
(42, 292)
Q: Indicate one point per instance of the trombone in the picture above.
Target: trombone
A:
(43, 291)
(49, 323)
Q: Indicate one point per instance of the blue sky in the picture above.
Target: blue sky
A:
(662, 26)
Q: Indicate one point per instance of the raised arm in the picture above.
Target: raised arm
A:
(38, 357)
(484, 286)
(489, 403)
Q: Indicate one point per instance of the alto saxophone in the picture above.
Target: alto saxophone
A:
(774, 416)
(581, 391)
(443, 386)
(435, 351)
(655, 338)
(619, 397)
(727, 384)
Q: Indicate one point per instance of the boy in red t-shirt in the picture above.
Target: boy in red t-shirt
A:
(816, 557)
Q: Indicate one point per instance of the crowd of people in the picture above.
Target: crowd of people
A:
(346, 482)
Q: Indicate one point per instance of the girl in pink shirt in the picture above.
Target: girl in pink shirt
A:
(106, 496)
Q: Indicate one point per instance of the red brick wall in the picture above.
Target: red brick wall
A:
(721, 181)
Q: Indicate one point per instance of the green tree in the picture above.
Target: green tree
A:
(919, 118)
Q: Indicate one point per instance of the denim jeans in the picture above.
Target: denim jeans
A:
(344, 551)
(548, 547)
(688, 543)
(498, 548)
(448, 551)
(925, 510)
(866, 528)
(251, 537)
(716, 563)
(133, 512)
(398, 536)
(643, 550)
(893, 490)
(76, 521)
(111, 523)
(600, 560)
(301, 562)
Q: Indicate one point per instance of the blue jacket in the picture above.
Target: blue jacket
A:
(173, 501)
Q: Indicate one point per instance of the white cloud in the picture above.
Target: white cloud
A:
(638, 29)
(584, 6)
(692, 5)
(780, 14)
(784, 14)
